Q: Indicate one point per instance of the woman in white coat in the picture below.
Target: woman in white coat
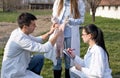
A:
(96, 61)
(74, 11)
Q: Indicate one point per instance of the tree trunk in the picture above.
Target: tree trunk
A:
(93, 14)
(3, 6)
(93, 17)
(93, 5)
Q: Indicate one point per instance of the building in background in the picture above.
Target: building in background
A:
(13, 5)
(39, 4)
(109, 9)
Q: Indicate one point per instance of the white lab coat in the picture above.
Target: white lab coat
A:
(17, 55)
(94, 65)
(75, 34)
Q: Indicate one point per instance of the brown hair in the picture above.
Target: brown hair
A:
(74, 8)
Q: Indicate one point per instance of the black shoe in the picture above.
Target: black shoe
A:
(57, 73)
(67, 74)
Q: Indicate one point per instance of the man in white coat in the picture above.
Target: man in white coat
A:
(17, 61)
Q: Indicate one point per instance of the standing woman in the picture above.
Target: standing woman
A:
(96, 61)
(74, 11)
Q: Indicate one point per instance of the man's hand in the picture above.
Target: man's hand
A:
(57, 33)
(53, 27)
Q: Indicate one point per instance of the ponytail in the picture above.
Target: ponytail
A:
(100, 40)
(97, 35)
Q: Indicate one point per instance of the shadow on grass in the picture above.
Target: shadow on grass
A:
(116, 75)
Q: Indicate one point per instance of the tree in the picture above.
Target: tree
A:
(93, 6)
(11, 5)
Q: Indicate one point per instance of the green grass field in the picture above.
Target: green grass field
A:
(12, 16)
(110, 27)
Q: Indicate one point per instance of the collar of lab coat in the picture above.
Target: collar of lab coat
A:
(91, 49)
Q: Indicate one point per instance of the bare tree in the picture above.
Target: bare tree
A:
(12, 5)
(93, 5)
(0, 3)
(8, 5)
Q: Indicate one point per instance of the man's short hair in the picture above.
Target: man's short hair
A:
(25, 19)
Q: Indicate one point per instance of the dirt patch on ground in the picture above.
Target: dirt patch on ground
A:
(43, 25)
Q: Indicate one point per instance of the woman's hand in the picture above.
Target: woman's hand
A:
(71, 53)
(54, 20)
(66, 21)
(77, 66)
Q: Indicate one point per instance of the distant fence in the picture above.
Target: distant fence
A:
(40, 5)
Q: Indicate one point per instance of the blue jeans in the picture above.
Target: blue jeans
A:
(67, 44)
(36, 63)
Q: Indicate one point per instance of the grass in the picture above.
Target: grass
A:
(110, 27)
(1, 55)
(12, 16)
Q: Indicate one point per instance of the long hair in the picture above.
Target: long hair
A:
(97, 36)
(73, 8)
